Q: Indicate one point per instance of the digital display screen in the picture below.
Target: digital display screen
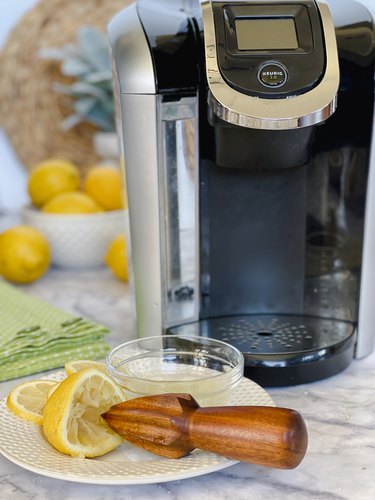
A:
(266, 33)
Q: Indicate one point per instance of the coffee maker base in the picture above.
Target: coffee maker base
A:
(281, 350)
(301, 373)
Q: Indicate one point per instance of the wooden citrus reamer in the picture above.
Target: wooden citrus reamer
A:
(172, 425)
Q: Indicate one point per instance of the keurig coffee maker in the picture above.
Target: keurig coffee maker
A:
(246, 130)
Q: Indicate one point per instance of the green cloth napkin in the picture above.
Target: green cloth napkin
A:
(35, 336)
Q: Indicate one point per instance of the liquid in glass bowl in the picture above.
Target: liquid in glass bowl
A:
(206, 368)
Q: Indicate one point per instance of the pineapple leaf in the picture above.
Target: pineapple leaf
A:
(74, 67)
(60, 53)
(98, 77)
(70, 122)
(84, 105)
(89, 64)
(94, 48)
(101, 118)
(63, 89)
(84, 88)
(52, 53)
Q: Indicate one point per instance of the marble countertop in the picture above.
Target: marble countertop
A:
(339, 413)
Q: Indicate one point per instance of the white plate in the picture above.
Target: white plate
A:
(24, 444)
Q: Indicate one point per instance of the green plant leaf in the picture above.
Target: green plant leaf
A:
(75, 67)
(52, 53)
(59, 53)
(104, 85)
(70, 122)
(84, 105)
(89, 63)
(66, 90)
(101, 119)
(63, 89)
(94, 47)
(84, 88)
(108, 106)
(98, 77)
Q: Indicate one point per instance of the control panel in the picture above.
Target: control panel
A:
(270, 50)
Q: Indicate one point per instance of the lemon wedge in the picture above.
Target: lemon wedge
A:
(72, 421)
(81, 364)
(27, 400)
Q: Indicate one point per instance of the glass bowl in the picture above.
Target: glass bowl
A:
(206, 368)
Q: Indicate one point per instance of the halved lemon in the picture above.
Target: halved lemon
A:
(27, 400)
(72, 421)
(82, 364)
(52, 389)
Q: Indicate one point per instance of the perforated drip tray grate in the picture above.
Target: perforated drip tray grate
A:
(274, 342)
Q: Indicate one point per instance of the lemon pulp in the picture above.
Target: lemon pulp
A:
(72, 421)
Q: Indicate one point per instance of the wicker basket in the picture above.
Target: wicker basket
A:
(30, 111)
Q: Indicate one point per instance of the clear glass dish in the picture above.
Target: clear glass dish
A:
(206, 368)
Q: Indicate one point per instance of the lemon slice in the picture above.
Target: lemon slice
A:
(27, 400)
(52, 389)
(82, 364)
(72, 421)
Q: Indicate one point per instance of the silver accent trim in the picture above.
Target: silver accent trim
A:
(179, 205)
(140, 135)
(366, 315)
(131, 53)
(300, 111)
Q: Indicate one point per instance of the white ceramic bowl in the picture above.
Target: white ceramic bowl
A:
(77, 241)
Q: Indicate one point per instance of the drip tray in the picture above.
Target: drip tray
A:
(282, 350)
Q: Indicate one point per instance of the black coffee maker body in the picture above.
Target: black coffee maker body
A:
(246, 130)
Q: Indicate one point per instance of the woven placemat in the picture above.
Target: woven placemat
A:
(30, 111)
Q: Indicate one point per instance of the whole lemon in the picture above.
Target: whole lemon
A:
(104, 185)
(73, 202)
(50, 178)
(24, 254)
(116, 257)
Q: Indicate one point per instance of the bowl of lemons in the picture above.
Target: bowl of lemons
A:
(80, 216)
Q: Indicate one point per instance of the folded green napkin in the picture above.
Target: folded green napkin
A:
(35, 336)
